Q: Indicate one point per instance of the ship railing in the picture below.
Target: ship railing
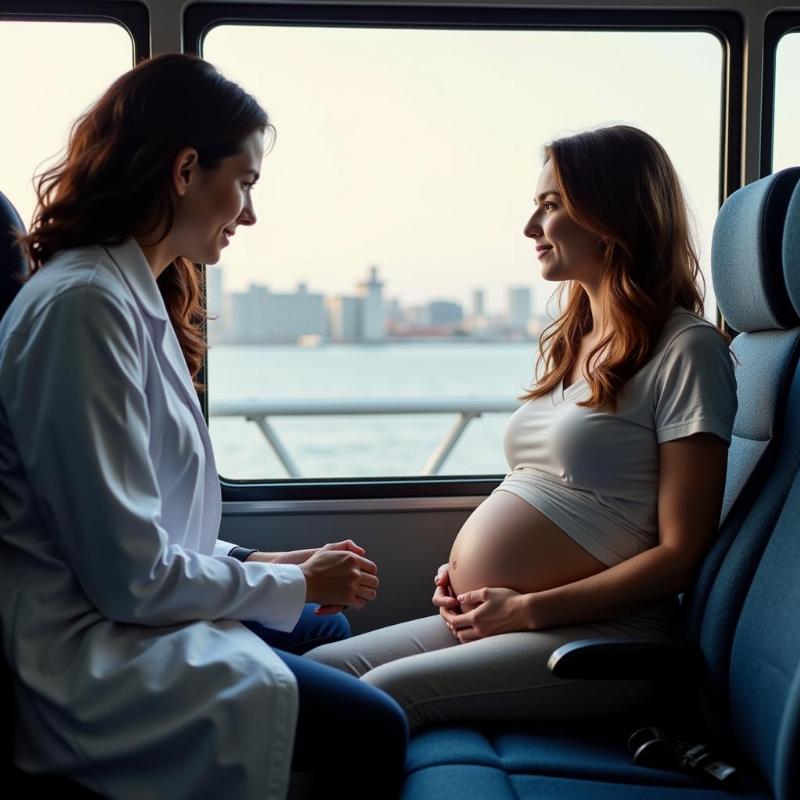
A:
(466, 409)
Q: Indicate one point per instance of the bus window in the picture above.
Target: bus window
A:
(786, 141)
(387, 295)
(60, 69)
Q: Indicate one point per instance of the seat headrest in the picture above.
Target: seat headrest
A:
(791, 248)
(747, 255)
(13, 263)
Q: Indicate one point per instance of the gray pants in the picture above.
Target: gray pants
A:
(436, 679)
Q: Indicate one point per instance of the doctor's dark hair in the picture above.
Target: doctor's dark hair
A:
(619, 183)
(115, 179)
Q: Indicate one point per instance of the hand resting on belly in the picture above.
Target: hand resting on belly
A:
(508, 543)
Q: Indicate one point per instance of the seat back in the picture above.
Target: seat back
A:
(13, 263)
(764, 671)
(13, 267)
(751, 287)
(745, 584)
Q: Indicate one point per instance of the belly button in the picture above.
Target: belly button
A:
(453, 563)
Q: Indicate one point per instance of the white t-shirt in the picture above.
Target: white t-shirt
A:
(595, 473)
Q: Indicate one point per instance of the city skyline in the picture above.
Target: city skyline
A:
(434, 180)
(451, 150)
(262, 315)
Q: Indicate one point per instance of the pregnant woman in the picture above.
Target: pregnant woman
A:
(617, 458)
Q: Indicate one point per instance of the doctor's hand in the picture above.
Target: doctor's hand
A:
(339, 578)
(299, 556)
(491, 611)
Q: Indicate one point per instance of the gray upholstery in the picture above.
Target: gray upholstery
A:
(746, 263)
(791, 250)
(13, 265)
(749, 274)
(766, 361)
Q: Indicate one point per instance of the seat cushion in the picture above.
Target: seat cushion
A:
(542, 761)
(468, 782)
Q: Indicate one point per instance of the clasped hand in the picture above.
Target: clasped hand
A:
(337, 574)
(480, 613)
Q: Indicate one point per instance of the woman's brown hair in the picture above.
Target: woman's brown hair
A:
(114, 181)
(619, 183)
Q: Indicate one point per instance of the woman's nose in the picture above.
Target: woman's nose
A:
(532, 228)
(248, 214)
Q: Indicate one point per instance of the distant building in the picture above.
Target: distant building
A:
(373, 314)
(445, 312)
(344, 318)
(259, 315)
(478, 303)
(418, 316)
(519, 307)
(394, 312)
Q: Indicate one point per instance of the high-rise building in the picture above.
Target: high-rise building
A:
(519, 307)
(344, 318)
(478, 303)
(373, 314)
(445, 312)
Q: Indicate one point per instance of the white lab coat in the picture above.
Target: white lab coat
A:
(119, 605)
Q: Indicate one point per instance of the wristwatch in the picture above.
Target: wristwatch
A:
(242, 553)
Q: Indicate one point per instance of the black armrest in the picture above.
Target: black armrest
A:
(626, 658)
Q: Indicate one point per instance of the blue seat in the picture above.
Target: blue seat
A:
(13, 265)
(736, 662)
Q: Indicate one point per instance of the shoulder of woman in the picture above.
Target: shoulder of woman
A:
(685, 330)
(71, 283)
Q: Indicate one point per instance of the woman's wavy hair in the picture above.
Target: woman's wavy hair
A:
(115, 178)
(619, 183)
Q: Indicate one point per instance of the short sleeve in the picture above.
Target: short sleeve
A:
(695, 387)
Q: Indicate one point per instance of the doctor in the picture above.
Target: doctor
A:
(121, 610)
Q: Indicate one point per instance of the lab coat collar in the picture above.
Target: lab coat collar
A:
(136, 272)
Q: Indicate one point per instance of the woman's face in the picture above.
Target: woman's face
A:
(566, 250)
(216, 201)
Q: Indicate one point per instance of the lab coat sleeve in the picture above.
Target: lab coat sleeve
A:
(222, 548)
(80, 417)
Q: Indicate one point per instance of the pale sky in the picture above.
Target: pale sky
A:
(414, 150)
(786, 147)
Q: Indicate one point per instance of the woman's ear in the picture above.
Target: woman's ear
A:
(184, 170)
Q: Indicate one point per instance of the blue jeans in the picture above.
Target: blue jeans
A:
(341, 720)
(309, 632)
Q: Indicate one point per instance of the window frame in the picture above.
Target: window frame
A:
(133, 17)
(777, 25)
(726, 26)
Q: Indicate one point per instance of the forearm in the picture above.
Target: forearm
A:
(292, 557)
(617, 591)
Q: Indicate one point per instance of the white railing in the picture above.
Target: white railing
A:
(467, 409)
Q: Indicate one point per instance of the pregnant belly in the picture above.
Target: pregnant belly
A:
(507, 542)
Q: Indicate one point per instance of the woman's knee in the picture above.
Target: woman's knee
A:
(341, 655)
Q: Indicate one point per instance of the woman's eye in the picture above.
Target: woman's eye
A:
(248, 185)
(548, 206)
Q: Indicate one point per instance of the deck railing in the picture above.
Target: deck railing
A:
(466, 409)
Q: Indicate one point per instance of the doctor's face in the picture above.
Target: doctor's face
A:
(565, 249)
(217, 201)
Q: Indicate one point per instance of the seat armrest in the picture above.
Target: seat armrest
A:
(626, 659)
